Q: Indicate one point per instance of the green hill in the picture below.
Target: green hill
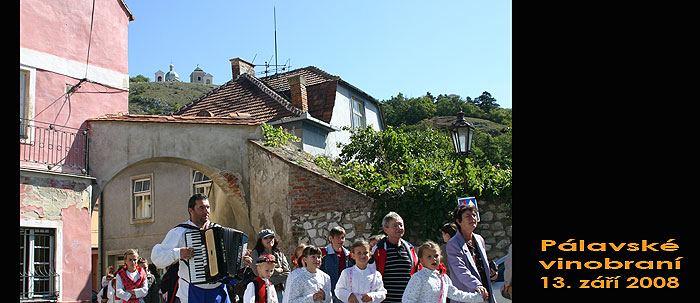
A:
(162, 98)
(483, 125)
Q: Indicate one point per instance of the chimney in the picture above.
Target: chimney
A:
(240, 66)
(297, 86)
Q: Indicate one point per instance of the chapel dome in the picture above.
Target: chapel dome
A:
(172, 75)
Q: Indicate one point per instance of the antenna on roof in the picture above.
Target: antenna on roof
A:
(278, 67)
(274, 11)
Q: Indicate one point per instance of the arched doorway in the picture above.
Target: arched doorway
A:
(143, 201)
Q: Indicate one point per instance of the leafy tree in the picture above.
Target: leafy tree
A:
(400, 110)
(139, 78)
(486, 102)
(416, 174)
(449, 105)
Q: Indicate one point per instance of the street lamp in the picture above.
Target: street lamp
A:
(462, 133)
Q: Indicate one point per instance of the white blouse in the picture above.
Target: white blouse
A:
(302, 287)
(430, 286)
(290, 278)
(135, 276)
(356, 281)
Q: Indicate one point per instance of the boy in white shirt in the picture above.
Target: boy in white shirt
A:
(261, 290)
(359, 283)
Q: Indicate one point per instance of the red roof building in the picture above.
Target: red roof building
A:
(309, 102)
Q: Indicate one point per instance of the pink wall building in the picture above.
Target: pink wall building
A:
(73, 67)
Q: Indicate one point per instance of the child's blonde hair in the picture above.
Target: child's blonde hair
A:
(130, 252)
(428, 245)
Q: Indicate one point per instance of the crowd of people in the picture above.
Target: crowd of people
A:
(385, 268)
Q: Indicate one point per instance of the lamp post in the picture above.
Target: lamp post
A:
(462, 133)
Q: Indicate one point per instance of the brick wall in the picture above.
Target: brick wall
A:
(320, 204)
(284, 181)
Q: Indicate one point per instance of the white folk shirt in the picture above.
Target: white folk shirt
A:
(249, 294)
(167, 252)
(290, 280)
(111, 294)
(356, 281)
(429, 286)
(139, 292)
(305, 284)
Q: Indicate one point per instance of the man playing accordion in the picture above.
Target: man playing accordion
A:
(174, 248)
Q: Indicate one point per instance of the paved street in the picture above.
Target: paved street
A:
(496, 286)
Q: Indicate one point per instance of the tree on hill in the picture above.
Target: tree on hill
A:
(139, 78)
(486, 102)
(410, 111)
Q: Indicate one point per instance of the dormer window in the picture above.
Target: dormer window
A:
(204, 113)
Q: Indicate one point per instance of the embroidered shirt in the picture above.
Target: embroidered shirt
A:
(356, 281)
(302, 287)
(428, 285)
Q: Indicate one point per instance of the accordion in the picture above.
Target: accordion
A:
(218, 253)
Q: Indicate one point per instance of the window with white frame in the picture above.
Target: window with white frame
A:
(26, 97)
(142, 198)
(37, 264)
(358, 113)
(201, 184)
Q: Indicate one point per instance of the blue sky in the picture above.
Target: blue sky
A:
(382, 47)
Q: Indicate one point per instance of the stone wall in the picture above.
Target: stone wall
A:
(496, 227)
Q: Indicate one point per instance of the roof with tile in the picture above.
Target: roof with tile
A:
(267, 98)
(229, 119)
(245, 94)
(313, 75)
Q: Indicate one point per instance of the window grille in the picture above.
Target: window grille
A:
(38, 278)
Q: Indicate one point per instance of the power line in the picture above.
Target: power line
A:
(92, 17)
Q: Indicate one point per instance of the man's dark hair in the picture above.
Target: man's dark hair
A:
(450, 229)
(195, 198)
(461, 209)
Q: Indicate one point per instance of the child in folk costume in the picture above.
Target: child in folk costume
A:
(261, 290)
(107, 294)
(359, 283)
(311, 284)
(298, 267)
(131, 280)
(431, 284)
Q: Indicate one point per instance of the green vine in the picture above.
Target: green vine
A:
(277, 136)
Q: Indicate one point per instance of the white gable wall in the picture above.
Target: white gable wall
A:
(342, 116)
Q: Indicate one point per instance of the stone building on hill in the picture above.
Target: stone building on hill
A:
(200, 76)
(170, 76)
(197, 76)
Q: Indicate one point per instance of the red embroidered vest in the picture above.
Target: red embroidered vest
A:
(260, 290)
(131, 284)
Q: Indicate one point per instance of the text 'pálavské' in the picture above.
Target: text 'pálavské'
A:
(581, 245)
